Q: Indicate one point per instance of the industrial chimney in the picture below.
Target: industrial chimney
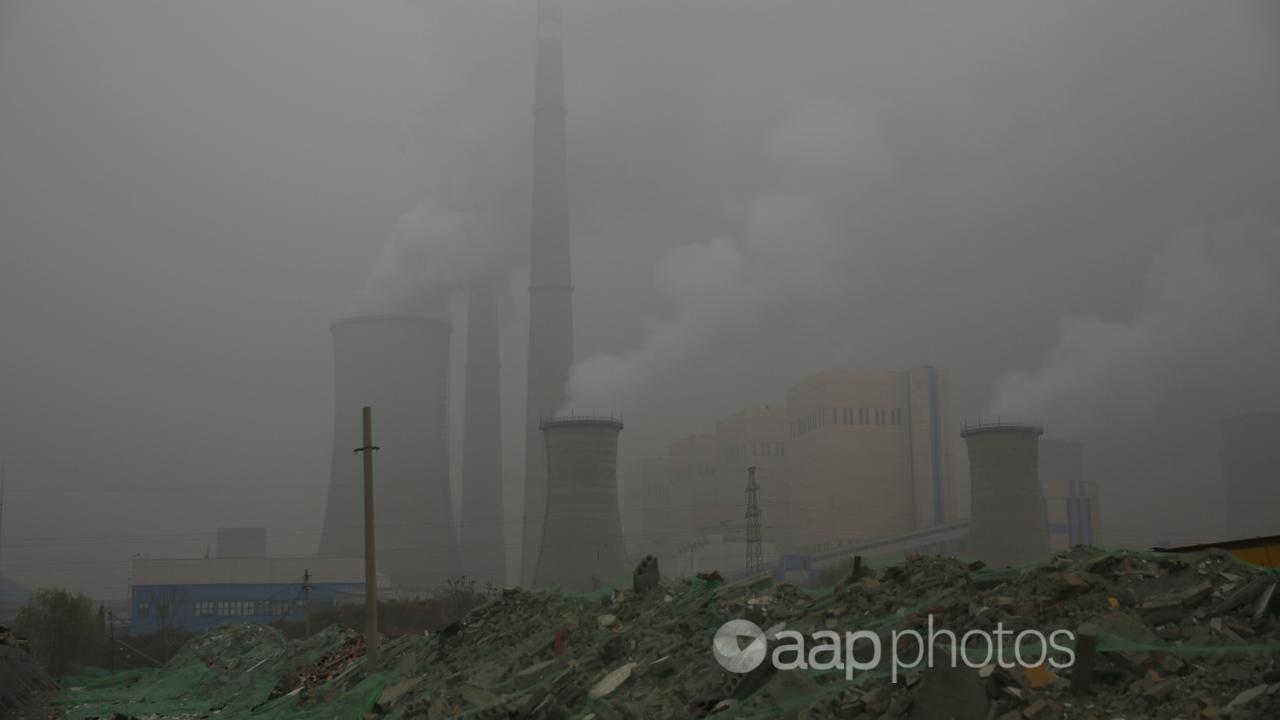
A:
(399, 366)
(1007, 524)
(582, 546)
(550, 285)
(482, 547)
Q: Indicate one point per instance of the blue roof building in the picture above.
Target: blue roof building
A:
(194, 595)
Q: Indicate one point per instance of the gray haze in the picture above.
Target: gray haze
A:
(1072, 206)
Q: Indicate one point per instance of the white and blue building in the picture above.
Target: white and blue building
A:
(193, 595)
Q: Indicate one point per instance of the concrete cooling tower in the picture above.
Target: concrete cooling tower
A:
(582, 546)
(1250, 470)
(1007, 524)
(399, 366)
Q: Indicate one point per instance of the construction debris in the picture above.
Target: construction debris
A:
(20, 676)
(1154, 636)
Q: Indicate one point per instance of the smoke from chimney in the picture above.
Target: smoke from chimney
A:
(785, 259)
(1207, 313)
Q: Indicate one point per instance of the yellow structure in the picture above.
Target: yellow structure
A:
(852, 455)
(1263, 551)
(869, 454)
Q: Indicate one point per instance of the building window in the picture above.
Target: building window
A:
(144, 609)
(205, 609)
(862, 416)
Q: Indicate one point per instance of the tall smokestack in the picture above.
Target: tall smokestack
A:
(582, 546)
(483, 547)
(550, 285)
(399, 366)
(1007, 524)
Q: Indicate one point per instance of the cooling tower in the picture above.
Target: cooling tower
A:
(1007, 524)
(398, 366)
(1250, 471)
(482, 547)
(582, 546)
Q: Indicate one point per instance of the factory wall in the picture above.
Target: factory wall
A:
(853, 455)
(691, 468)
(861, 455)
(655, 520)
(195, 594)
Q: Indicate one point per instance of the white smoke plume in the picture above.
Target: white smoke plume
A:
(433, 251)
(1208, 316)
(781, 258)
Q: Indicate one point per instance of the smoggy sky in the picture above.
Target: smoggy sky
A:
(1072, 206)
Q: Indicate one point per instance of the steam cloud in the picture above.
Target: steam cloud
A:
(1207, 314)
(783, 257)
(433, 251)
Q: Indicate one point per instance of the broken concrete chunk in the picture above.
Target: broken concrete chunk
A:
(612, 681)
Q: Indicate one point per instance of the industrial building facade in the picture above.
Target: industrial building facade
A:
(193, 595)
(869, 455)
(852, 455)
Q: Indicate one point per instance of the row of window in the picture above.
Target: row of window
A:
(808, 423)
(846, 416)
(866, 416)
(144, 609)
(706, 470)
(758, 448)
(223, 609)
(242, 608)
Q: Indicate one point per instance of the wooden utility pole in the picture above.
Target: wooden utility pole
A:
(111, 644)
(370, 559)
(306, 600)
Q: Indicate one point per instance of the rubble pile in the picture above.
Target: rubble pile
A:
(20, 676)
(1151, 636)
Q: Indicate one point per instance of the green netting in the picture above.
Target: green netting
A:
(546, 650)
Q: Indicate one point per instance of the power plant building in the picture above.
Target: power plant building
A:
(399, 366)
(691, 471)
(869, 455)
(582, 545)
(853, 455)
(1072, 504)
(1008, 524)
(656, 528)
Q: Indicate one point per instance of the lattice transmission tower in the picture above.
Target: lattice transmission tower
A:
(755, 542)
